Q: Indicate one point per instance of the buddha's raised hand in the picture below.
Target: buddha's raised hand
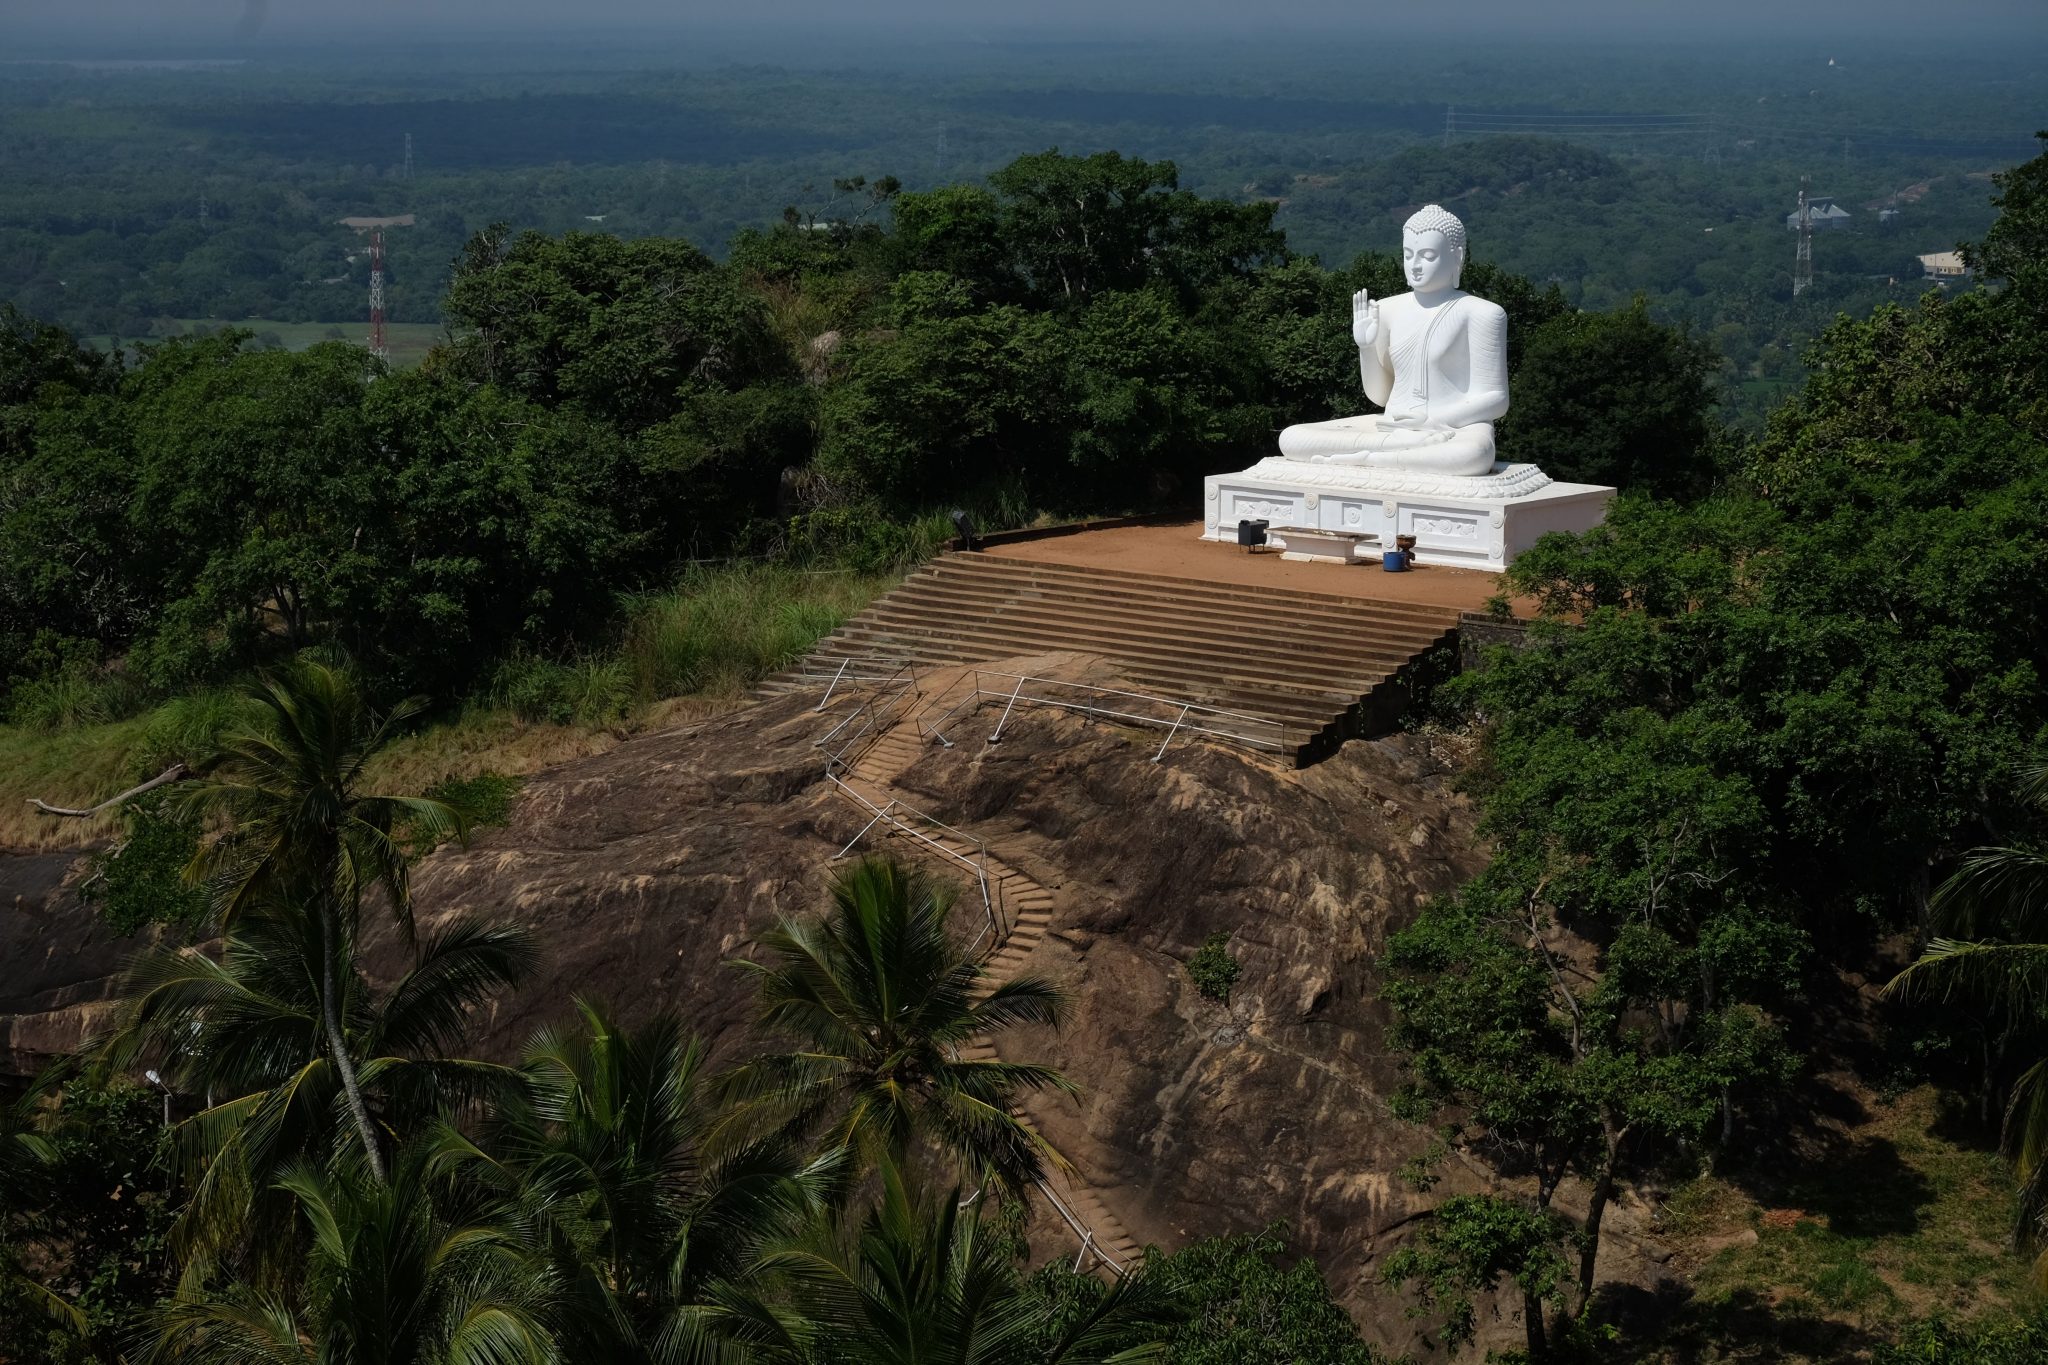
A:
(1365, 318)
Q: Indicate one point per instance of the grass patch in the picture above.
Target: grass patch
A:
(690, 651)
(1904, 1223)
(718, 632)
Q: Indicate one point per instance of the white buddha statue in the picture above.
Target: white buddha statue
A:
(1436, 360)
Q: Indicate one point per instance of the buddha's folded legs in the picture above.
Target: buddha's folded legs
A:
(1466, 451)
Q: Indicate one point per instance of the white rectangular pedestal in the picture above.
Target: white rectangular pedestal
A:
(1454, 531)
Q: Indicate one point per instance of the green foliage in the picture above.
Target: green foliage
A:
(1999, 896)
(1247, 1305)
(1940, 1341)
(587, 691)
(483, 801)
(918, 1276)
(1614, 398)
(141, 881)
(390, 1274)
(189, 729)
(720, 631)
(1473, 1241)
(1211, 967)
(95, 1229)
(879, 1000)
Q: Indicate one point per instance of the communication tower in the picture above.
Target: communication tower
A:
(377, 347)
(408, 156)
(202, 210)
(1802, 264)
(1450, 122)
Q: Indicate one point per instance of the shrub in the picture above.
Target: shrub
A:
(484, 800)
(74, 697)
(1213, 970)
(720, 631)
(141, 881)
(586, 691)
(187, 729)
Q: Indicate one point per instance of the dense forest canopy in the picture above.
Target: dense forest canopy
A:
(1662, 174)
(1082, 334)
(1783, 714)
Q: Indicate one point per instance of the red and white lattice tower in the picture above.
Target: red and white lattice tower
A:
(1802, 260)
(377, 295)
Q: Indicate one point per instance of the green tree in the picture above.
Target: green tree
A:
(250, 1032)
(250, 495)
(1246, 1301)
(1997, 897)
(921, 1281)
(1077, 226)
(84, 1208)
(306, 839)
(1473, 1241)
(608, 1156)
(883, 1003)
(628, 331)
(392, 1277)
(1614, 398)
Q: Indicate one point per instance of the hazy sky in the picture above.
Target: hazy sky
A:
(203, 21)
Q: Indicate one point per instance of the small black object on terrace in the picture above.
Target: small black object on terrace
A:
(964, 526)
(1251, 534)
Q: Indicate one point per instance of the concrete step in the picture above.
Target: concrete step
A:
(1182, 590)
(1252, 654)
(1262, 705)
(1204, 674)
(1226, 622)
(1294, 663)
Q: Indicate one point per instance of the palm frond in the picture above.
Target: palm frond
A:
(2010, 976)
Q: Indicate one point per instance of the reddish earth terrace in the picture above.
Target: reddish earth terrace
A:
(1175, 550)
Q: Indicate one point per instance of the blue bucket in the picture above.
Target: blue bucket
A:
(1394, 561)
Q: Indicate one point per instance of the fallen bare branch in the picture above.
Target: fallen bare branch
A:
(177, 772)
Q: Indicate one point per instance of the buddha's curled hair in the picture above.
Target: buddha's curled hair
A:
(1437, 218)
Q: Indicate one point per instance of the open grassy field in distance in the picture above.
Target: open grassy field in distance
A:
(409, 342)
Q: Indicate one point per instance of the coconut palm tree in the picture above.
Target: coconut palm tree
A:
(305, 836)
(249, 1033)
(923, 1282)
(607, 1156)
(392, 1276)
(25, 1182)
(1996, 902)
(883, 1002)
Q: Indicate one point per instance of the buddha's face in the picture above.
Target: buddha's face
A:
(1429, 261)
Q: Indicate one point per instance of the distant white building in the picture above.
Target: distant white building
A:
(1945, 267)
(1823, 210)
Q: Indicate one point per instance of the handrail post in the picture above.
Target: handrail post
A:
(998, 734)
(1171, 733)
(989, 898)
(1087, 1245)
(881, 814)
(833, 686)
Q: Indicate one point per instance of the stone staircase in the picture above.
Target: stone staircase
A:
(1324, 668)
(1022, 909)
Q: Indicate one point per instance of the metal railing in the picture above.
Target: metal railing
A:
(1178, 717)
(906, 819)
(1079, 1226)
(895, 695)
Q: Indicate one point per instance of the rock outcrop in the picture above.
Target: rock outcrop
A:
(642, 870)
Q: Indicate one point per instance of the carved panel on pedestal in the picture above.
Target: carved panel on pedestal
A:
(1441, 526)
